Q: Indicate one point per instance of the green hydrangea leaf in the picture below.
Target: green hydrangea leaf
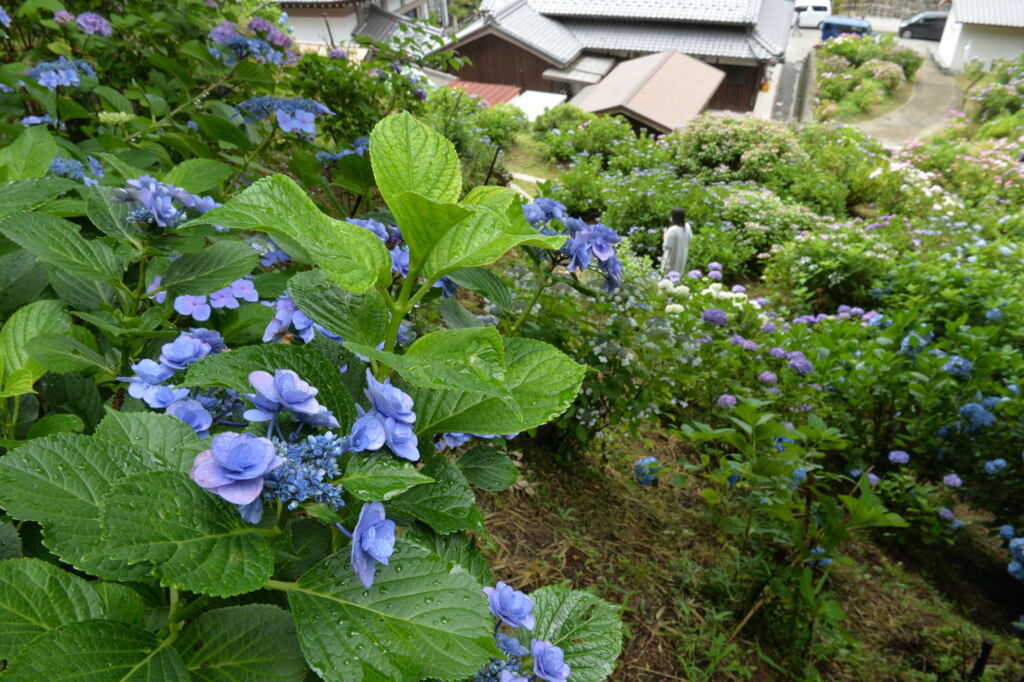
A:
(29, 156)
(379, 477)
(587, 629)
(167, 438)
(409, 156)
(57, 241)
(251, 642)
(448, 505)
(211, 269)
(458, 549)
(189, 537)
(97, 651)
(36, 597)
(27, 195)
(421, 619)
(488, 468)
(360, 318)
(199, 176)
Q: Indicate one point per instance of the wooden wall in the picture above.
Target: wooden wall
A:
(498, 61)
(739, 89)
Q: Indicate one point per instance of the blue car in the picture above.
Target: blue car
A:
(837, 26)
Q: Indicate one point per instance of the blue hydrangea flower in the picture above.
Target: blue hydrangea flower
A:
(452, 440)
(195, 307)
(714, 316)
(956, 524)
(388, 400)
(767, 377)
(977, 416)
(295, 114)
(183, 351)
(234, 466)
(646, 470)
(147, 373)
(1017, 548)
(799, 363)
(5, 19)
(1007, 532)
(61, 71)
(306, 475)
(899, 457)
(162, 204)
(71, 169)
(510, 645)
(210, 337)
(283, 390)
(192, 413)
(549, 662)
(94, 25)
(993, 467)
(726, 400)
(289, 319)
(993, 314)
(952, 481)
(510, 606)
(373, 541)
(1016, 569)
(27, 121)
(799, 476)
(959, 367)
(913, 343)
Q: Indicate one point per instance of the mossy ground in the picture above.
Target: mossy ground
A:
(587, 523)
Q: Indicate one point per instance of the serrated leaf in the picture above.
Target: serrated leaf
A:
(484, 282)
(199, 176)
(120, 602)
(458, 549)
(62, 354)
(543, 382)
(409, 156)
(423, 222)
(223, 130)
(354, 173)
(350, 255)
(211, 269)
(231, 370)
(453, 359)
(251, 642)
(167, 438)
(29, 156)
(112, 217)
(97, 651)
(303, 543)
(420, 620)
(587, 629)
(56, 241)
(26, 195)
(456, 316)
(35, 319)
(488, 468)
(190, 538)
(36, 597)
(58, 481)
(379, 477)
(361, 318)
(10, 541)
(448, 505)
(22, 280)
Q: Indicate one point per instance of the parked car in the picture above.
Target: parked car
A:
(926, 25)
(837, 26)
(813, 13)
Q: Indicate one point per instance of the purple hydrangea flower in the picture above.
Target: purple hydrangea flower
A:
(714, 316)
(234, 466)
(767, 377)
(373, 541)
(192, 413)
(899, 457)
(63, 17)
(873, 479)
(952, 481)
(286, 315)
(337, 53)
(510, 645)
(549, 662)
(714, 265)
(510, 606)
(195, 307)
(367, 432)
(799, 363)
(93, 24)
(780, 353)
(946, 514)
(282, 390)
(726, 400)
(695, 274)
(389, 400)
(160, 397)
(298, 121)
(715, 274)
(183, 351)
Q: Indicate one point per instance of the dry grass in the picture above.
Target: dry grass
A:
(589, 525)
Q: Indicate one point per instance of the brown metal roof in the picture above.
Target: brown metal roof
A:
(664, 90)
(490, 93)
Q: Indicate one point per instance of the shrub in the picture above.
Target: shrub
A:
(560, 117)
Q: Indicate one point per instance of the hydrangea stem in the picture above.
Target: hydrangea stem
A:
(542, 284)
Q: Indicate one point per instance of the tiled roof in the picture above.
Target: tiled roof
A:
(520, 22)
(490, 93)
(990, 12)
(697, 41)
(316, 4)
(712, 11)
(774, 25)
(381, 25)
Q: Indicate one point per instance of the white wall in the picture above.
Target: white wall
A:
(971, 41)
(310, 28)
(950, 40)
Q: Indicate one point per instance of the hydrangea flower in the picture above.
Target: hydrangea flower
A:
(726, 400)
(284, 390)
(510, 606)
(295, 114)
(234, 466)
(1007, 532)
(959, 367)
(993, 467)
(977, 416)
(549, 662)
(952, 481)
(799, 363)
(162, 204)
(899, 457)
(309, 467)
(63, 17)
(646, 470)
(195, 307)
(946, 514)
(714, 316)
(94, 25)
(373, 541)
(510, 645)
(767, 377)
(337, 53)
(993, 314)
(61, 71)
(5, 19)
(69, 168)
(183, 351)
(45, 119)
(229, 296)
(192, 413)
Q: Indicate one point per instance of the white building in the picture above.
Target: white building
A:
(332, 22)
(981, 29)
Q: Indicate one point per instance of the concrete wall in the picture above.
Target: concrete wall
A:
(964, 42)
(310, 27)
